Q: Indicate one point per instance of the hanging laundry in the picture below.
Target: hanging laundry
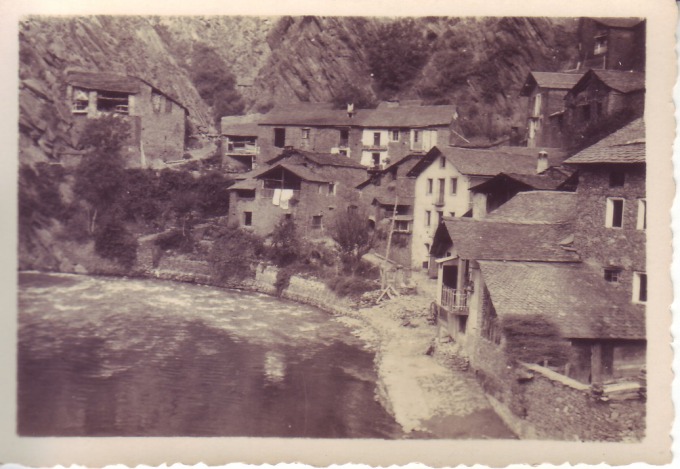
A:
(277, 196)
(286, 195)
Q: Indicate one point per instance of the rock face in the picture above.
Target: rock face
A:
(275, 60)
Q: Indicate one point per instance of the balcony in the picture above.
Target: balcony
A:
(374, 147)
(439, 201)
(242, 149)
(455, 301)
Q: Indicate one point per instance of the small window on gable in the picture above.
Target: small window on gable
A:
(248, 218)
(639, 287)
(617, 179)
(156, 99)
(430, 184)
(442, 162)
(614, 213)
(305, 134)
(612, 275)
(642, 214)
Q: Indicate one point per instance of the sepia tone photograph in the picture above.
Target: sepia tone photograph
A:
(333, 227)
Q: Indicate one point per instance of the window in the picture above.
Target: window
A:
(305, 134)
(454, 186)
(642, 214)
(600, 45)
(156, 100)
(440, 217)
(430, 184)
(585, 112)
(80, 101)
(442, 162)
(639, 287)
(401, 225)
(342, 152)
(376, 139)
(376, 159)
(416, 136)
(614, 214)
(331, 188)
(111, 101)
(344, 137)
(288, 216)
(248, 218)
(428, 218)
(279, 138)
(168, 106)
(316, 221)
(612, 275)
(617, 178)
(394, 135)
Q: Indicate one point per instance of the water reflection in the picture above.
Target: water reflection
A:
(101, 356)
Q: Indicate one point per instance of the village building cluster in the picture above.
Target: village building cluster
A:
(552, 229)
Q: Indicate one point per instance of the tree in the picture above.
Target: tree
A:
(233, 254)
(350, 93)
(396, 55)
(286, 245)
(99, 177)
(354, 237)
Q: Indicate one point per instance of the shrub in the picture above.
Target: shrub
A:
(534, 339)
(350, 285)
(113, 241)
(234, 253)
(286, 247)
(349, 93)
(354, 237)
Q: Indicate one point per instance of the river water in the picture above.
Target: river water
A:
(110, 356)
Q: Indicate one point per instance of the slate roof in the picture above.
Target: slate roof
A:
(575, 296)
(476, 162)
(537, 207)
(560, 81)
(550, 179)
(299, 170)
(405, 165)
(411, 116)
(244, 185)
(499, 240)
(619, 22)
(240, 130)
(104, 81)
(626, 145)
(312, 114)
(624, 82)
(322, 159)
(389, 200)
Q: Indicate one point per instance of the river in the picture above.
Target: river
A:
(103, 356)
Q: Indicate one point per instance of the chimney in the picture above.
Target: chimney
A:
(542, 163)
(350, 110)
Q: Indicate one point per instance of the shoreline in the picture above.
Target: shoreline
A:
(426, 398)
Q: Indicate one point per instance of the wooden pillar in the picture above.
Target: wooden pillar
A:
(596, 363)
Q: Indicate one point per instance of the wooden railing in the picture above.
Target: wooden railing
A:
(454, 300)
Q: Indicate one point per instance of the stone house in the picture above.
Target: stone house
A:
(612, 43)
(308, 187)
(491, 194)
(545, 92)
(601, 96)
(574, 260)
(239, 147)
(391, 132)
(314, 127)
(378, 195)
(444, 177)
(157, 120)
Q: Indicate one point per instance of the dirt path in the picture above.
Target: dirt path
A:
(426, 398)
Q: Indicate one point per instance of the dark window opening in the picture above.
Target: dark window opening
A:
(643, 288)
(617, 213)
(109, 101)
(344, 137)
(617, 179)
(612, 275)
(247, 218)
(376, 159)
(279, 138)
(316, 221)
(376, 139)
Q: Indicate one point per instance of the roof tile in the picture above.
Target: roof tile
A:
(626, 145)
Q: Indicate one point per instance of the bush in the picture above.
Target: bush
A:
(354, 237)
(233, 254)
(534, 339)
(350, 285)
(286, 247)
(350, 93)
(175, 240)
(113, 241)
